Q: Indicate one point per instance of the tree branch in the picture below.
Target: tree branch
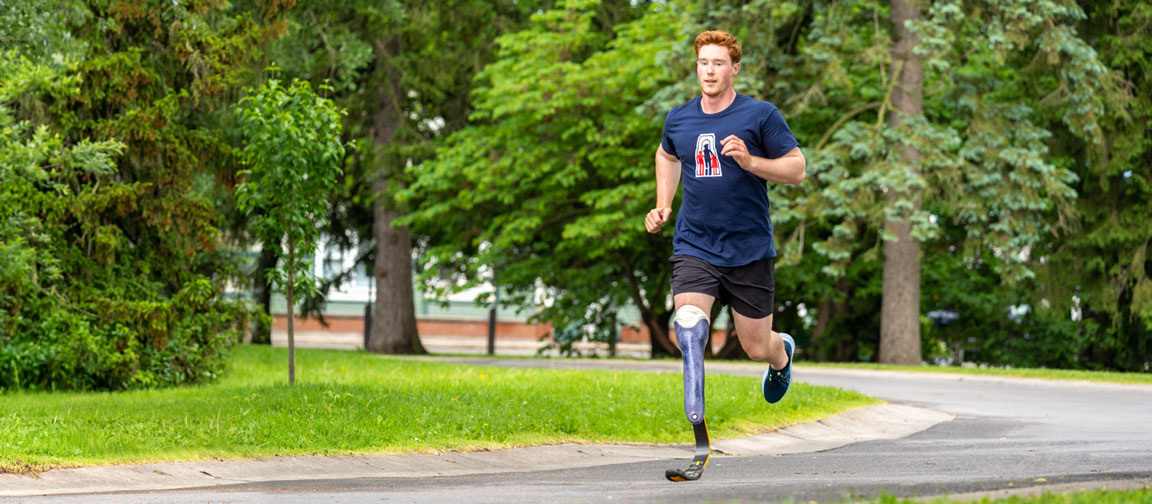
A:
(645, 309)
(844, 118)
(888, 95)
(331, 52)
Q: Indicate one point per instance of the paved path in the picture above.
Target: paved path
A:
(1006, 434)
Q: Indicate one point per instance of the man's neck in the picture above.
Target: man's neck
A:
(716, 104)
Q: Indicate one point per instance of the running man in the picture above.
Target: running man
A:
(723, 247)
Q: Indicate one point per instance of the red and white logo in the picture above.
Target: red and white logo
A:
(707, 164)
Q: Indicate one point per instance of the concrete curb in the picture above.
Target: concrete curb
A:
(886, 421)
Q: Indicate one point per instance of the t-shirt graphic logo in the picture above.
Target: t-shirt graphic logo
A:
(707, 165)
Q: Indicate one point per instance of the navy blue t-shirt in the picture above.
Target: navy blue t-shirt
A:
(723, 217)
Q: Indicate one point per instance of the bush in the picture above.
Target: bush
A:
(128, 345)
(100, 281)
(1003, 325)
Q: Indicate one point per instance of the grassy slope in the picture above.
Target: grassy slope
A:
(350, 402)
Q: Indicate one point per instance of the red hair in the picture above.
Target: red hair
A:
(722, 39)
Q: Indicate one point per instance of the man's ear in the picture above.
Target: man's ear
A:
(735, 69)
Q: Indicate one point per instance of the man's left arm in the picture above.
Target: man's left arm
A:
(786, 169)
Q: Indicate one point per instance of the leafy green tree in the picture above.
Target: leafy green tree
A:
(550, 183)
(56, 200)
(1104, 261)
(30, 160)
(404, 70)
(825, 64)
(117, 153)
(981, 150)
(292, 151)
(39, 29)
(981, 177)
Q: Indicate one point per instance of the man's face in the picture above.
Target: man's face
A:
(714, 70)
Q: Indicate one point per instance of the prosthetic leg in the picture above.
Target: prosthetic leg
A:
(692, 333)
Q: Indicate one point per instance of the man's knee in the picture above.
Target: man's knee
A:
(689, 330)
(758, 352)
(690, 315)
(762, 349)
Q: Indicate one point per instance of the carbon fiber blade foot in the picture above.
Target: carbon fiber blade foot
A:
(699, 462)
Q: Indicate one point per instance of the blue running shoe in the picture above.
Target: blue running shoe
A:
(775, 383)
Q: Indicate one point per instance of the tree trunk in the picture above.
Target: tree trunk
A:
(900, 308)
(394, 314)
(823, 318)
(825, 314)
(612, 334)
(291, 315)
(656, 322)
(263, 293)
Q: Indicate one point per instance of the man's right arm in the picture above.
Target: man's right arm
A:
(667, 180)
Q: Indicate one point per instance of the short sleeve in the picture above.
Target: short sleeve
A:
(777, 137)
(666, 142)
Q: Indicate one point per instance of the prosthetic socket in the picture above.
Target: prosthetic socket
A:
(692, 333)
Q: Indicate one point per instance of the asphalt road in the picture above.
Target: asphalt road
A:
(1008, 434)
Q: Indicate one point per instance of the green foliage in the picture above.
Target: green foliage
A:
(549, 184)
(1105, 263)
(1008, 86)
(984, 159)
(999, 326)
(404, 70)
(1025, 114)
(293, 152)
(112, 159)
(75, 311)
(39, 29)
(117, 158)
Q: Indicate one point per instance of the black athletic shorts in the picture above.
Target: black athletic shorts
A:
(750, 289)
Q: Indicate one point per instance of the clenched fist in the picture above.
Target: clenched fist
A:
(656, 218)
(735, 148)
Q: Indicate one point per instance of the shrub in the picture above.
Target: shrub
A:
(100, 285)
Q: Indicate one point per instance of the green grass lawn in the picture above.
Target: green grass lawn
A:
(1101, 496)
(352, 402)
(1050, 374)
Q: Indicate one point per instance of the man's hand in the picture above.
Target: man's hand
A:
(656, 218)
(786, 169)
(734, 148)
